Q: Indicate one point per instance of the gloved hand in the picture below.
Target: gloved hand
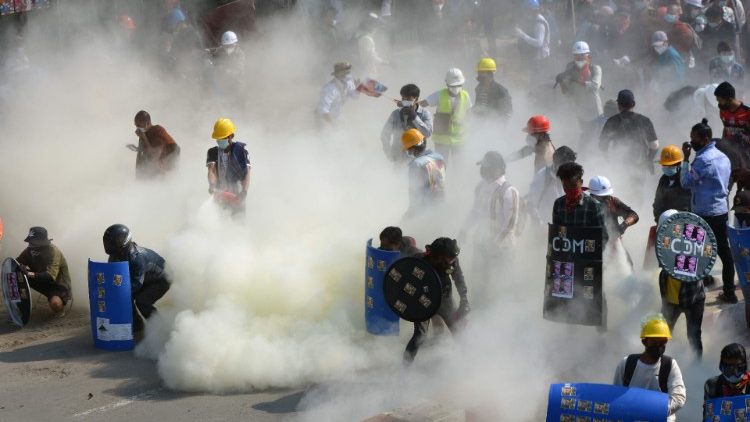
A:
(463, 309)
(409, 112)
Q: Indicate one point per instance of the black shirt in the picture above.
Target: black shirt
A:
(631, 130)
(671, 195)
(493, 98)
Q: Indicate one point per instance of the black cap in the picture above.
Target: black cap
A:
(493, 160)
(37, 237)
(742, 202)
(626, 98)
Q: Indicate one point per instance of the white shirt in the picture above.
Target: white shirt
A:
(647, 377)
(498, 229)
(369, 55)
(545, 189)
(334, 95)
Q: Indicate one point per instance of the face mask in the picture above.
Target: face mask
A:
(696, 146)
(231, 49)
(454, 90)
(669, 171)
(714, 24)
(488, 173)
(669, 18)
(530, 140)
(572, 196)
(141, 129)
(733, 374)
(222, 144)
(660, 49)
(656, 351)
(406, 103)
(580, 63)
(727, 58)
(699, 27)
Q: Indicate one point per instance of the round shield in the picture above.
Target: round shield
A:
(413, 289)
(16, 292)
(685, 247)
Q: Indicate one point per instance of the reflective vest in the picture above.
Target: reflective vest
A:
(451, 131)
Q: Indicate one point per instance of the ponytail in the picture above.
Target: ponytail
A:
(703, 130)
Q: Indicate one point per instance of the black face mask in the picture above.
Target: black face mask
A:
(487, 173)
(697, 146)
(656, 352)
(723, 106)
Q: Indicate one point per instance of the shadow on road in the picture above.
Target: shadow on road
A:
(286, 404)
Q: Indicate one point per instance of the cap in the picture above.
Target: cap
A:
(626, 98)
(492, 159)
(341, 68)
(658, 37)
(742, 202)
(37, 237)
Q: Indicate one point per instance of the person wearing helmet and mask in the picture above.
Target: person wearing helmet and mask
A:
(492, 222)
(669, 192)
(426, 174)
(725, 67)
(707, 177)
(157, 152)
(538, 143)
(678, 297)
(630, 134)
(580, 82)
(546, 187)
(734, 378)
(442, 256)
(653, 370)
(492, 99)
(335, 93)
(46, 269)
(408, 115)
(148, 279)
(228, 167)
(668, 70)
(452, 103)
(229, 61)
(600, 189)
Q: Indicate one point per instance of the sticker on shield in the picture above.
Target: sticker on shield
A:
(412, 288)
(687, 247)
(562, 279)
(16, 292)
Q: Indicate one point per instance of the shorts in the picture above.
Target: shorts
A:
(50, 290)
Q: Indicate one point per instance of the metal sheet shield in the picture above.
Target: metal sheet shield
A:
(604, 402)
(685, 247)
(16, 292)
(739, 243)
(413, 289)
(573, 281)
(379, 317)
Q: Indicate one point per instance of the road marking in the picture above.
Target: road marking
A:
(118, 404)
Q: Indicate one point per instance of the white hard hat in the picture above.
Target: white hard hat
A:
(581, 47)
(454, 77)
(600, 186)
(705, 96)
(666, 214)
(229, 38)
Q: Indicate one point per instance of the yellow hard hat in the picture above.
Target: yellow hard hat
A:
(223, 128)
(655, 327)
(486, 65)
(670, 155)
(410, 138)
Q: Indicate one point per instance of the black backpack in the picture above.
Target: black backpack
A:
(664, 370)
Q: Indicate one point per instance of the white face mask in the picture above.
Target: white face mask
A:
(714, 24)
(141, 129)
(406, 103)
(727, 58)
(231, 48)
(580, 63)
(454, 90)
(660, 49)
(530, 140)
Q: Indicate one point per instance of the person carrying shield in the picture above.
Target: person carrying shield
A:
(442, 256)
(577, 208)
(392, 239)
(653, 370)
(228, 168)
(678, 297)
(600, 188)
(734, 378)
(46, 269)
(148, 280)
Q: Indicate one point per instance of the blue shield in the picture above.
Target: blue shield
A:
(739, 243)
(111, 305)
(379, 318)
(726, 409)
(592, 402)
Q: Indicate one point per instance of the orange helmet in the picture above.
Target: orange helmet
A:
(537, 124)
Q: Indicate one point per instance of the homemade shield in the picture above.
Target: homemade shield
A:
(594, 402)
(739, 243)
(111, 305)
(379, 317)
(727, 409)
(573, 284)
(412, 289)
(16, 292)
(685, 247)
(649, 259)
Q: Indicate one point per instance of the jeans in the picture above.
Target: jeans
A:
(693, 318)
(718, 224)
(447, 312)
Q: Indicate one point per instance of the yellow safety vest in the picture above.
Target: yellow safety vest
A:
(455, 129)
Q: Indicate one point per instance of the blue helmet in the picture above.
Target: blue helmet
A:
(532, 4)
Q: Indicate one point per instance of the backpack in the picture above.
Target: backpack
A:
(664, 370)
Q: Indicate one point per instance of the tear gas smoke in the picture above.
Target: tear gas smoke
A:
(275, 299)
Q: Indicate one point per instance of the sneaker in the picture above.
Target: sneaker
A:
(726, 298)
